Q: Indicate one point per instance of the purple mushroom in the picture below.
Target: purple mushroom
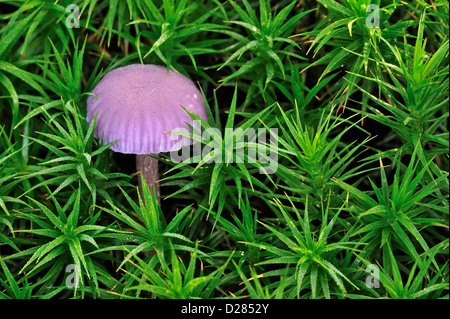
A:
(137, 105)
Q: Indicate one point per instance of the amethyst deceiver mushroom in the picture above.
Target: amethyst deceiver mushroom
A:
(137, 105)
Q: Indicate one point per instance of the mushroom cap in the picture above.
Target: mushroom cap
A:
(138, 104)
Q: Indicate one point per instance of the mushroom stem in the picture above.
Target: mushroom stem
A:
(148, 166)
